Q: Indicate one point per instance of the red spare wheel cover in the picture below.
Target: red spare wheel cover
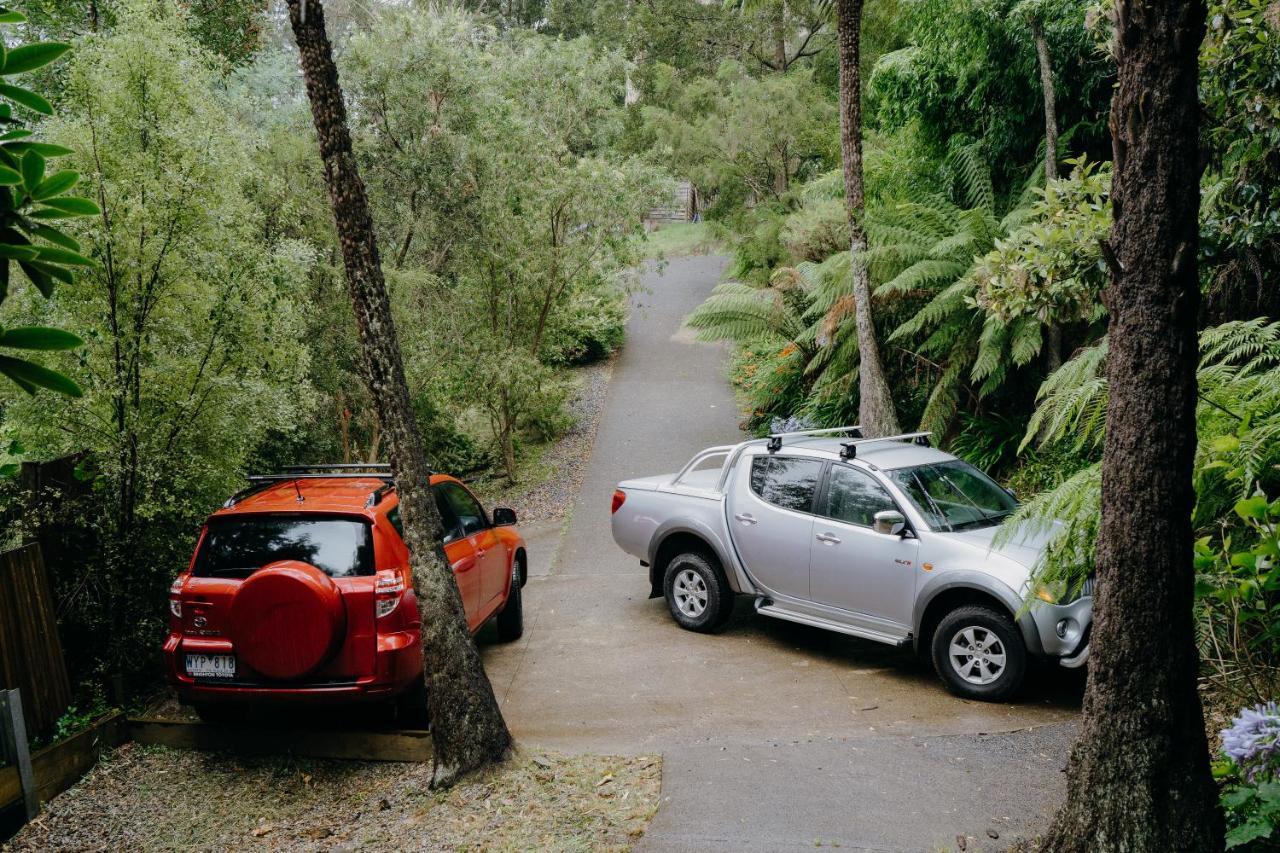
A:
(287, 619)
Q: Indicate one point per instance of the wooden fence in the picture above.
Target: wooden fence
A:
(30, 651)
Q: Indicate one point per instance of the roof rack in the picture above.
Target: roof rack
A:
(775, 438)
(343, 470)
(849, 449)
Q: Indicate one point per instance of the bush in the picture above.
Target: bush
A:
(591, 328)
(1251, 792)
(817, 231)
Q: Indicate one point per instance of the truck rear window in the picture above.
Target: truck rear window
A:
(238, 547)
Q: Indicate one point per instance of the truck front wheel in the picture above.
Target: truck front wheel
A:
(979, 653)
(697, 594)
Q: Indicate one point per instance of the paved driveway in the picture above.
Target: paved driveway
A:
(775, 735)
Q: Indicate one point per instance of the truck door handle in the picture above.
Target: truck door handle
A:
(828, 538)
(745, 518)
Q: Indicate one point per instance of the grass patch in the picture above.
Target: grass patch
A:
(153, 798)
(680, 238)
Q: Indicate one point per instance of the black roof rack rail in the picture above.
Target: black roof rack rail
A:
(342, 470)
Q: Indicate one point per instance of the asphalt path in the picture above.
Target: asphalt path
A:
(775, 736)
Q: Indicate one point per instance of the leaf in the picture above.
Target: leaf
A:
(32, 56)
(1246, 832)
(50, 255)
(45, 149)
(8, 16)
(16, 133)
(9, 176)
(27, 374)
(26, 98)
(39, 338)
(1254, 508)
(32, 170)
(18, 253)
(40, 278)
(70, 206)
(10, 470)
(53, 235)
(54, 271)
(56, 184)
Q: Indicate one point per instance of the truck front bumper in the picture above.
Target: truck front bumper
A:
(1064, 630)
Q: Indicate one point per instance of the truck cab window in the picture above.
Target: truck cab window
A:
(785, 481)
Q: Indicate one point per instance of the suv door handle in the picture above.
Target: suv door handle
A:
(745, 518)
(828, 538)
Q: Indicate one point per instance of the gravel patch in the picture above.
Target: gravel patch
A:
(152, 798)
(552, 484)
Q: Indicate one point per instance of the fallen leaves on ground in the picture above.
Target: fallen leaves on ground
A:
(146, 798)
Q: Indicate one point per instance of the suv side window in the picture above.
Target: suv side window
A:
(452, 530)
(854, 497)
(465, 508)
(784, 481)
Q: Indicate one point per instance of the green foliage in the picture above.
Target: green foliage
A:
(1252, 809)
(739, 137)
(971, 68)
(1238, 421)
(31, 197)
(1051, 269)
(192, 320)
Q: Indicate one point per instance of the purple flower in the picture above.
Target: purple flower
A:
(1253, 740)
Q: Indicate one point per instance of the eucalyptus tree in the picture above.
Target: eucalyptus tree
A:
(876, 412)
(1139, 775)
(467, 728)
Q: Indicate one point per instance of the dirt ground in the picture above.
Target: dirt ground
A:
(143, 798)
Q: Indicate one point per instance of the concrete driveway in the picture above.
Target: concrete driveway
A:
(775, 736)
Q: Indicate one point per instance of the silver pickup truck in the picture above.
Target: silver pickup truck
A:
(887, 539)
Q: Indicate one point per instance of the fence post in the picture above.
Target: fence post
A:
(13, 737)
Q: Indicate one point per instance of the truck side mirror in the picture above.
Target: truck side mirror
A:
(890, 522)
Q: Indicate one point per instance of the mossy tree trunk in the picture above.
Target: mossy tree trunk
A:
(1139, 778)
(876, 412)
(467, 728)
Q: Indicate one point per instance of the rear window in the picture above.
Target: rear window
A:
(786, 481)
(238, 547)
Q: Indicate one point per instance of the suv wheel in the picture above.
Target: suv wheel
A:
(979, 653)
(697, 595)
(511, 619)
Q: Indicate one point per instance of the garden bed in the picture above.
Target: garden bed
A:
(150, 798)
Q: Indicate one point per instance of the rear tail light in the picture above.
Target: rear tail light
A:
(175, 598)
(388, 592)
(619, 497)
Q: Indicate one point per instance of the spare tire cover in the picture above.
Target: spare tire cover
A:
(287, 619)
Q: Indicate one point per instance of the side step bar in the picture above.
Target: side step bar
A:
(768, 608)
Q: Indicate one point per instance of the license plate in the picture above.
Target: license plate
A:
(211, 666)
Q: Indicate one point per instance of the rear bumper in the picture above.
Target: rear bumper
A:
(397, 666)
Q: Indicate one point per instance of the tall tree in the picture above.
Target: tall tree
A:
(1139, 774)
(1032, 12)
(467, 729)
(876, 411)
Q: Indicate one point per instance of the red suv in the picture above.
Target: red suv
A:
(300, 589)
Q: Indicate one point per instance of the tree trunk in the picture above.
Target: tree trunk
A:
(779, 27)
(1139, 774)
(1053, 341)
(876, 412)
(1050, 103)
(467, 729)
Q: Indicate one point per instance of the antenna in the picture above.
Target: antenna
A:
(298, 489)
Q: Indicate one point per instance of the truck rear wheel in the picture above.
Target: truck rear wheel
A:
(697, 594)
(979, 653)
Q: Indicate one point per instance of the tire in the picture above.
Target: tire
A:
(411, 707)
(999, 661)
(697, 594)
(510, 621)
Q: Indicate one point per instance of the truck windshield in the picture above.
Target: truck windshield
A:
(955, 495)
(238, 547)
